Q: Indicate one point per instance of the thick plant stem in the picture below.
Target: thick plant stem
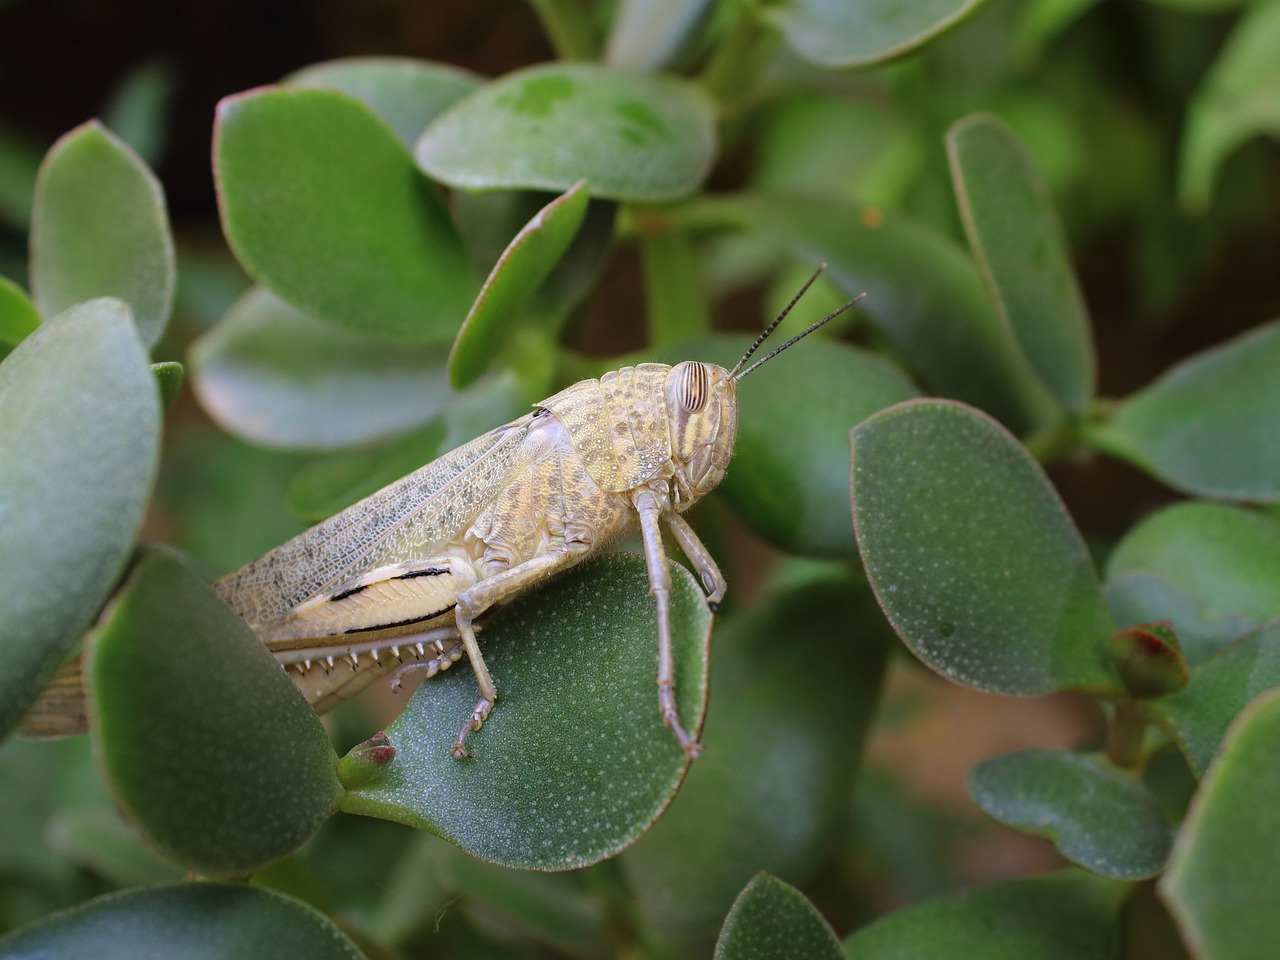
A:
(568, 28)
(1124, 739)
(730, 77)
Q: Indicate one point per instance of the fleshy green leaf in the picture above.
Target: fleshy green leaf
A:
(1221, 885)
(923, 294)
(1071, 915)
(206, 742)
(189, 921)
(770, 743)
(1226, 558)
(406, 93)
(274, 376)
(1208, 425)
(1144, 597)
(1022, 253)
(18, 316)
(1239, 99)
(169, 376)
(574, 763)
(1149, 660)
(525, 263)
(1097, 815)
(838, 34)
(772, 919)
(79, 441)
(650, 34)
(323, 206)
(1200, 714)
(973, 556)
(630, 136)
(99, 228)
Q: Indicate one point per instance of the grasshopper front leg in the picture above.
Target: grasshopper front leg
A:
(648, 505)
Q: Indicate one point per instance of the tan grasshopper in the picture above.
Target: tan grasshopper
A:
(397, 581)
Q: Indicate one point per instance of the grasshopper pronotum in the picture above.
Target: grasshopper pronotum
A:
(396, 582)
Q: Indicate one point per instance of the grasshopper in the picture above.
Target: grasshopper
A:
(397, 582)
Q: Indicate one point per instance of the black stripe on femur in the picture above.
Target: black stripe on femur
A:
(694, 386)
(400, 623)
(349, 592)
(428, 572)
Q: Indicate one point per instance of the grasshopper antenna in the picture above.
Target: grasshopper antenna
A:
(734, 374)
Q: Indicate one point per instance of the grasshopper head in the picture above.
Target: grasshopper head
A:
(702, 407)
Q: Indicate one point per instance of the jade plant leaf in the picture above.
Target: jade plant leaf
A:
(574, 763)
(1097, 815)
(1069, 915)
(1136, 598)
(18, 316)
(652, 34)
(1207, 426)
(1239, 99)
(1020, 248)
(630, 136)
(973, 556)
(79, 442)
(770, 742)
(322, 205)
(923, 294)
(774, 919)
(272, 375)
(99, 228)
(1199, 715)
(205, 741)
(1227, 559)
(169, 375)
(406, 93)
(1221, 884)
(526, 262)
(836, 34)
(187, 921)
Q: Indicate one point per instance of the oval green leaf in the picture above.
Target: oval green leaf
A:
(188, 921)
(526, 262)
(973, 556)
(274, 376)
(206, 742)
(839, 34)
(630, 136)
(1208, 425)
(323, 206)
(18, 316)
(1070, 915)
(406, 93)
(99, 228)
(1227, 559)
(770, 744)
(1098, 816)
(1222, 885)
(1199, 715)
(923, 294)
(79, 442)
(1145, 598)
(574, 763)
(1017, 240)
(773, 919)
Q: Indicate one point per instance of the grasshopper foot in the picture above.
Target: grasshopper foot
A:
(478, 716)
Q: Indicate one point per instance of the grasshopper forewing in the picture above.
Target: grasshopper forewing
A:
(397, 581)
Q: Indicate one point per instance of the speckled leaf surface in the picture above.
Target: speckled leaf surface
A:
(1222, 885)
(406, 93)
(771, 920)
(322, 205)
(972, 554)
(271, 375)
(1071, 915)
(839, 34)
(1018, 243)
(205, 741)
(630, 136)
(574, 763)
(79, 441)
(99, 228)
(523, 265)
(1097, 815)
(1207, 426)
(189, 921)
